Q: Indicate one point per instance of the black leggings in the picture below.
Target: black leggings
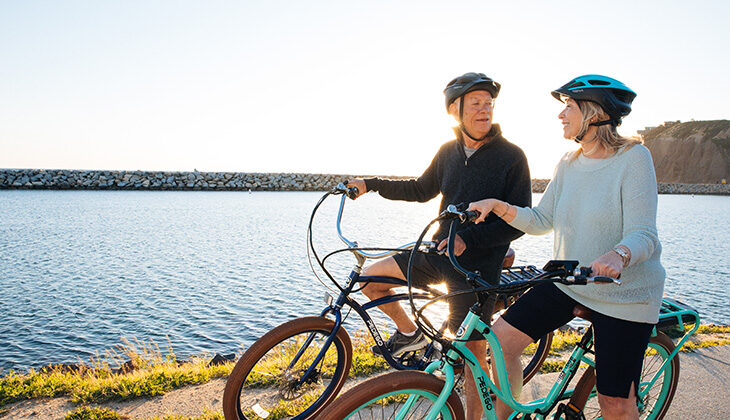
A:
(619, 345)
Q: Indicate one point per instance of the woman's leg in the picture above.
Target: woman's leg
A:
(539, 311)
(619, 347)
(513, 342)
(614, 408)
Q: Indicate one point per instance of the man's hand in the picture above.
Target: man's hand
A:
(360, 184)
(609, 264)
(459, 245)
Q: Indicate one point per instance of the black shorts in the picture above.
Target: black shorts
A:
(619, 345)
(431, 269)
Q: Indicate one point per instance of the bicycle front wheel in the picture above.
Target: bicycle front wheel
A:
(386, 396)
(270, 381)
(533, 359)
(653, 400)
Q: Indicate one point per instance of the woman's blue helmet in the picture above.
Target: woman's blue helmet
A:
(613, 96)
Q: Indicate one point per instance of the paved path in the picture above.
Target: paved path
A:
(704, 385)
(703, 391)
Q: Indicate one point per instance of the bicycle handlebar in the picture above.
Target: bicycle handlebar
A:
(352, 193)
(566, 272)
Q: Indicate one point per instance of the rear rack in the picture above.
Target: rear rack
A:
(674, 314)
(524, 272)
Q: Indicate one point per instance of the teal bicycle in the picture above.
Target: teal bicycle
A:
(430, 394)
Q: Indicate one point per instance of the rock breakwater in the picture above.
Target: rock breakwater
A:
(62, 179)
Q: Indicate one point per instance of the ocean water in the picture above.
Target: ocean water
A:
(210, 272)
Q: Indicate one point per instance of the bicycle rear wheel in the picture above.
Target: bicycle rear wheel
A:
(654, 399)
(385, 395)
(268, 381)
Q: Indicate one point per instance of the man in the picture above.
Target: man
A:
(479, 163)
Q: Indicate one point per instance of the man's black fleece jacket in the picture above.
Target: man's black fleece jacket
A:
(498, 169)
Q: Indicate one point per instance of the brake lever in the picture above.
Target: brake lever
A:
(432, 248)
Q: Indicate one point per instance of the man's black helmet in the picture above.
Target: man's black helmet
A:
(613, 96)
(469, 82)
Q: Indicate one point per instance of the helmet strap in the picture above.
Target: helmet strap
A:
(612, 121)
(461, 122)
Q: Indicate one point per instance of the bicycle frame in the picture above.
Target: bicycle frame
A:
(540, 407)
(343, 299)
(484, 382)
(335, 306)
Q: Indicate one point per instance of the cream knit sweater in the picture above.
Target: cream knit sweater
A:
(593, 205)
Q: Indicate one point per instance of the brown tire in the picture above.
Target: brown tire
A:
(532, 367)
(367, 398)
(264, 381)
(654, 402)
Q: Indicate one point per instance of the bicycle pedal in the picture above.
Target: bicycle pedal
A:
(570, 412)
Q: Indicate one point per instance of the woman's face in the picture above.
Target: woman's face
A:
(572, 119)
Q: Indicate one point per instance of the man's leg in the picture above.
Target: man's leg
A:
(388, 268)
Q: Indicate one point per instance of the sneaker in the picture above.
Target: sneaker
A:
(398, 343)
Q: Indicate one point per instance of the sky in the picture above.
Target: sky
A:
(330, 86)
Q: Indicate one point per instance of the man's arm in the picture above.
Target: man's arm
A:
(421, 189)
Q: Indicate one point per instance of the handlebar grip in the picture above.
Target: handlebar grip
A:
(352, 192)
(587, 271)
(471, 215)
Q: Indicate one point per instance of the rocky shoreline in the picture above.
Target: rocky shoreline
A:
(63, 179)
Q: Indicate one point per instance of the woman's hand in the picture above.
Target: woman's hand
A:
(609, 264)
(484, 207)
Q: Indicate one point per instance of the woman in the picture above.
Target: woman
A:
(601, 205)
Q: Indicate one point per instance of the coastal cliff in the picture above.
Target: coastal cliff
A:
(694, 152)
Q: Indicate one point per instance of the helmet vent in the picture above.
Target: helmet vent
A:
(575, 84)
(599, 82)
(623, 96)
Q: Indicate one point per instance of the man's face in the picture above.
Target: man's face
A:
(478, 110)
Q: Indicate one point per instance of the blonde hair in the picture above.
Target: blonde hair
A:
(606, 134)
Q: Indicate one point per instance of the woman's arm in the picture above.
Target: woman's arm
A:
(638, 208)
